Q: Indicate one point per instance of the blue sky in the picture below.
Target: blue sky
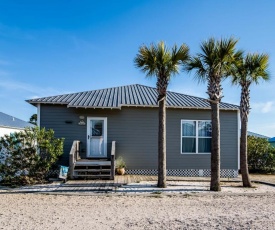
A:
(54, 47)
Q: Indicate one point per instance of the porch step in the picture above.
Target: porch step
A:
(93, 163)
(93, 169)
(94, 176)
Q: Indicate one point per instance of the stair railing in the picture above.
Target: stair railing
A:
(74, 156)
(113, 152)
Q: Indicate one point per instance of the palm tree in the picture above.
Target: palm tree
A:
(157, 60)
(212, 64)
(249, 69)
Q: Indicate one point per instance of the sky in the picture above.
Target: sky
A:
(51, 47)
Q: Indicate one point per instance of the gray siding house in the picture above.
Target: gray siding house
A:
(129, 116)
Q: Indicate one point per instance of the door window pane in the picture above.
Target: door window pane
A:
(97, 128)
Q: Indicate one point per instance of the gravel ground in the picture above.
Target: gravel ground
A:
(183, 205)
(157, 211)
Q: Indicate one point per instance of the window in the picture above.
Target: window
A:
(196, 136)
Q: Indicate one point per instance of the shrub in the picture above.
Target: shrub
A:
(27, 156)
(120, 163)
(261, 155)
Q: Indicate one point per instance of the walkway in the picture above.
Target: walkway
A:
(137, 184)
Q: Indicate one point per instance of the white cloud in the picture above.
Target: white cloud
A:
(266, 129)
(267, 107)
(263, 107)
(11, 85)
(14, 32)
(4, 73)
(3, 62)
(81, 44)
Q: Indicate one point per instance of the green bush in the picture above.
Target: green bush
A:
(261, 155)
(27, 156)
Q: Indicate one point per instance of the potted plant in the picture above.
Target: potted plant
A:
(120, 166)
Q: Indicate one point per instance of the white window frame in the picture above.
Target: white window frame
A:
(197, 136)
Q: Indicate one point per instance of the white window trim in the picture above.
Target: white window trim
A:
(197, 137)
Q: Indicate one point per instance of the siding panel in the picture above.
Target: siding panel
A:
(135, 131)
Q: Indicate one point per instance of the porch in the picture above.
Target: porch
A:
(91, 168)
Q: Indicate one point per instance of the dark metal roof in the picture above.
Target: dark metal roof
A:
(12, 122)
(129, 95)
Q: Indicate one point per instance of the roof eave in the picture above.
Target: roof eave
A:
(91, 107)
(125, 105)
(12, 127)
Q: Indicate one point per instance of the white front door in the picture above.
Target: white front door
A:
(97, 137)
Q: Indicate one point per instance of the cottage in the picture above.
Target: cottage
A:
(128, 115)
(10, 124)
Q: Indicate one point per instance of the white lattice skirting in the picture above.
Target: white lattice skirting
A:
(225, 173)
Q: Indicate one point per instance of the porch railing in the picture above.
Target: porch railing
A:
(113, 153)
(74, 156)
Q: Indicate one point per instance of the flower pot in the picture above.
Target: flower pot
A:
(120, 171)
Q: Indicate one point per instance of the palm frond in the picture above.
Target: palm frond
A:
(251, 68)
(158, 60)
(201, 71)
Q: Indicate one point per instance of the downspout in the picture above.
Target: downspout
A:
(38, 114)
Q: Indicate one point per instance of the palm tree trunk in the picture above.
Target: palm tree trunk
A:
(162, 144)
(245, 107)
(243, 155)
(215, 151)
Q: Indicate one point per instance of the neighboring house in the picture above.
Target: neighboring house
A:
(256, 135)
(10, 124)
(129, 116)
(272, 141)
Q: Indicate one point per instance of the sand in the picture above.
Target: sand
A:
(155, 211)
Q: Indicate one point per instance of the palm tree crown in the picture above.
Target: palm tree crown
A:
(213, 63)
(249, 69)
(158, 60)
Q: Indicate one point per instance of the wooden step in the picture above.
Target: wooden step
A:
(93, 163)
(92, 170)
(94, 176)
